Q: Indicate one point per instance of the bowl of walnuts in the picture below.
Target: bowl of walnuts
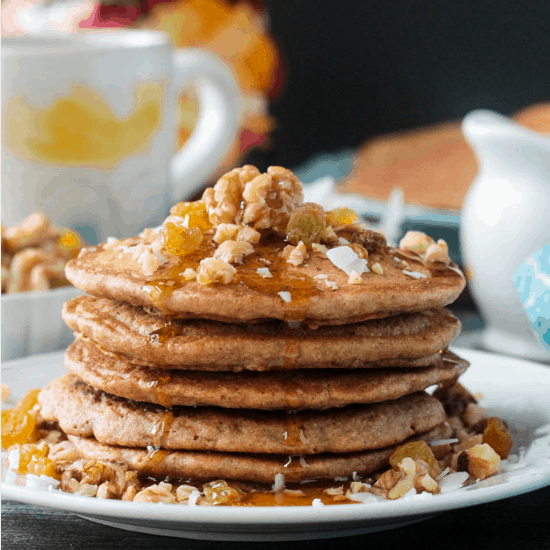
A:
(34, 287)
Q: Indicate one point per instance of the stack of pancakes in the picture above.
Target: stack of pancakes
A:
(302, 373)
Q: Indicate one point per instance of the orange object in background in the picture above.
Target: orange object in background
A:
(239, 34)
(434, 166)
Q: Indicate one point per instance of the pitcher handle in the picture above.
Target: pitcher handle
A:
(220, 107)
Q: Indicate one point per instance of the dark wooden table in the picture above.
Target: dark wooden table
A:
(521, 523)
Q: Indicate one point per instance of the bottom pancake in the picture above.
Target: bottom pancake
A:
(80, 410)
(244, 467)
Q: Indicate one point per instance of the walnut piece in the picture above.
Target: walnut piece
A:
(480, 461)
(234, 252)
(295, 255)
(432, 253)
(261, 201)
(156, 493)
(215, 270)
(411, 474)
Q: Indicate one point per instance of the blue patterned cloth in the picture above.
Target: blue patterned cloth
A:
(532, 280)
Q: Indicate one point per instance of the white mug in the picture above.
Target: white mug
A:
(89, 128)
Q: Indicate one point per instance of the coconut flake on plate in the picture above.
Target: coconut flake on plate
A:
(346, 259)
(317, 502)
(279, 482)
(453, 481)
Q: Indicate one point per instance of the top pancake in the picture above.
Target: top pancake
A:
(110, 272)
(250, 250)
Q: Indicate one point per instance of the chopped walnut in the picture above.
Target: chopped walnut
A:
(295, 255)
(263, 201)
(431, 253)
(129, 493)
(480, 461)
(233, 252)
(156, 493)
(109, 490)
(225, 232)
(473, 415)
(93, 472)
(79, 488)
(416, 241)
(249, 235)
(438, 253)
(319, 248)
(357, 487)
(215, 270)
(411, 474)
(357, 233)
(189, 274)
(63, 452)
(223, 201)
(183, 492)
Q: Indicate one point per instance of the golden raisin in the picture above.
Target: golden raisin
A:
(219, 492)
(341, 216)
(33, 459)
(180, 240)
(417, 450)
(306, 224)
(70, 241)
(17, 426)
(194, 214)
(497, 436)
(29, 400)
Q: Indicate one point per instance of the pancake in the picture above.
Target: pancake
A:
(296, 389)
(260, 468)
(109, 271)
(81, 410)
(198, 344)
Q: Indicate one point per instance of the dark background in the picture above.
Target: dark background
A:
(356, 69)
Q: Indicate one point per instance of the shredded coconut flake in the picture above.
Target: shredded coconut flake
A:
(454, 481)
(279, 482)
(286, 296)
(264, 272)
(415, 274)
(193, 497)
(346, 259)
(443, 441)
(317, 502)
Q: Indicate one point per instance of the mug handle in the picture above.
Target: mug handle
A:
(220, 106)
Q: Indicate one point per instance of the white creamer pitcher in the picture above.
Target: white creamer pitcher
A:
(506, 217)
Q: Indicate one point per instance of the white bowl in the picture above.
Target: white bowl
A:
(32, 323)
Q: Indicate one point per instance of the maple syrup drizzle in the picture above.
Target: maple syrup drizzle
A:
(283, 498)
(285, 278)
(162, 428)
(292, 437)
(160, 395)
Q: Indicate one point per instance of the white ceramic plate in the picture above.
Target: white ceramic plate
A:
(514, 389)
